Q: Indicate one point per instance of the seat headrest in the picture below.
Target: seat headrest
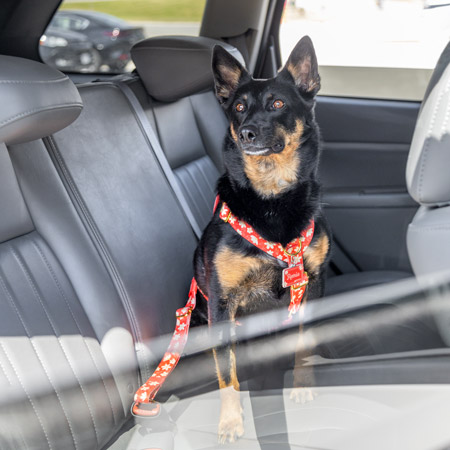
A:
(173, 67)
(36, 100)
(427, 170)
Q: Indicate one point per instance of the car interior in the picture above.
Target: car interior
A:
(106, 184)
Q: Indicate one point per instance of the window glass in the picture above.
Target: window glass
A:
(96, 36)
(370, 48)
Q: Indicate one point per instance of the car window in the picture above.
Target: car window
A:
(96, 36)
(370, 48)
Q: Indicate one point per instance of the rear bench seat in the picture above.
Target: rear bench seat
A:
(88, 270)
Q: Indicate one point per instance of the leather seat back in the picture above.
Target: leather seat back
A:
(60, 382)
(178, 95)
(427, 176)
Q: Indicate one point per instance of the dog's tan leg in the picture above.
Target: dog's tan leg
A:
(302, 375)
(231, 425)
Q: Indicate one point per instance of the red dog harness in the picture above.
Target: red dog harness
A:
(294, 276)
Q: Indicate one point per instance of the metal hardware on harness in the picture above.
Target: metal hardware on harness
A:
(188, 313)
(138, 411)
(295, 253)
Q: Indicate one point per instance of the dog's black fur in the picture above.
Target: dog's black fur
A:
(271, 155)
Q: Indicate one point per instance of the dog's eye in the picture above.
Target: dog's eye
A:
(240, 107)
(278, 104)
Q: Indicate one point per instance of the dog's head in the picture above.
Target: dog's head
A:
(271, 120)
(266, 116)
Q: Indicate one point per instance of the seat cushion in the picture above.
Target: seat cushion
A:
(358, 280)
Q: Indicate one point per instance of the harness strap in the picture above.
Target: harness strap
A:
(295, 275)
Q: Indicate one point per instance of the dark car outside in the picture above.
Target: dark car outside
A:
(88, 41)
(69, 51)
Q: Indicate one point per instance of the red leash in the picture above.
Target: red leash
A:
(294, 277)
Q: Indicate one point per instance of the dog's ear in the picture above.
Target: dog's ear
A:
(228, 73)
(303, 68)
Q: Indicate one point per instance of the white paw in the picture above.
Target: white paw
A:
(231, 425)
(302, 395)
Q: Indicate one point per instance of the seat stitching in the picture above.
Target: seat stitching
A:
(205, 174)
(12, 304)
(202, 169)
(99, 240)
(38, 297)
(26, 392)
(428, 140)
(195, 167)
(6, 374)
(56, 80)
(186, 188)
(65, 298)
(31, 112)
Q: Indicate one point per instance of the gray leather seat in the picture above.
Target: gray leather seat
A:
(60, 370)
(428, 176)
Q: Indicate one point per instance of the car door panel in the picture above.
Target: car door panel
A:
(362, 170)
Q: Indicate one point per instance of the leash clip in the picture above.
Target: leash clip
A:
(147, 410)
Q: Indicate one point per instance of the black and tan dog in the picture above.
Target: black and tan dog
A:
(271, 154)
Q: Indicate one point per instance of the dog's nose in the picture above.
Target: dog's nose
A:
(248, 134)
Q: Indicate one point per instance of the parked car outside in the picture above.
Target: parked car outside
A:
(69, 51)
(88, 41)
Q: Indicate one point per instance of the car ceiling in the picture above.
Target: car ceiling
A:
(22, 23)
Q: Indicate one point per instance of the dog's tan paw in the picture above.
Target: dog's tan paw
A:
(231, 427)
(231, 423)
(302, 395)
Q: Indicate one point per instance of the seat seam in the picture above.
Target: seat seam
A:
(38, 297)
(63, 295)
(6, 374)
(56, 80)
(202, 171)
(26, 392)
(34, 111)
(195, 165)
(96, 236)
(424, 155)
(12, 304)
(185, 188)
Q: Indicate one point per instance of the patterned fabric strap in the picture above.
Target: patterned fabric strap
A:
(294, 276)
(147, 392)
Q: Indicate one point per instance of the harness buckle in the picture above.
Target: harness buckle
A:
(147, 410)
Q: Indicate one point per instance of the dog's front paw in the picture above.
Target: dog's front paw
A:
(302, 395)
(231, 423)
(231, 426)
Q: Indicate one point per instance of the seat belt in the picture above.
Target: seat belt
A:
(159, 153)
